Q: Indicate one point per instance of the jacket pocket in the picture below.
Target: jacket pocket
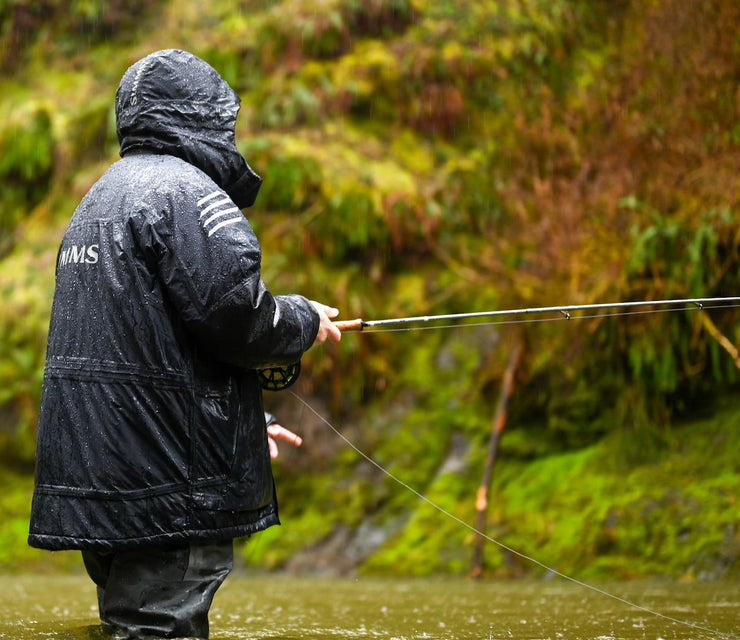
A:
(232, 460)
(216, 426)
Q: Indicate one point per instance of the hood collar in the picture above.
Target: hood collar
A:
(172, 102)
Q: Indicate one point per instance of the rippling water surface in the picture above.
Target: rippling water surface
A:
(270, 607)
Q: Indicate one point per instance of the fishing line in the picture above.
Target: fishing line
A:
(501, 545)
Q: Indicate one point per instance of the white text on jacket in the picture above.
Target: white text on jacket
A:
(79, 255)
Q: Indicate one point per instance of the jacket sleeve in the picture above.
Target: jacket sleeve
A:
(209, 262)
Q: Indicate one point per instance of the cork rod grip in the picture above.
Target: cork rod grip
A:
(350, 325)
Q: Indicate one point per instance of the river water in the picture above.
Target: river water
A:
(287, 608)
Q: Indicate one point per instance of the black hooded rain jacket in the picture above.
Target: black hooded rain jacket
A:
(151, 424)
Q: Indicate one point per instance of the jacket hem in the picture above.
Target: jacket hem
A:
(51, 542)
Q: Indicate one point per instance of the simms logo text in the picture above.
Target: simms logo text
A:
(79, 255)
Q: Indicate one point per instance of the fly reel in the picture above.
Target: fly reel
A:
(279, 378)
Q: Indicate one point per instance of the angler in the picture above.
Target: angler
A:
(153, 449)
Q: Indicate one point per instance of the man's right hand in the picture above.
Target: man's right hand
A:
(327, 329)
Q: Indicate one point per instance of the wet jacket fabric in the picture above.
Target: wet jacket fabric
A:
(152, 428)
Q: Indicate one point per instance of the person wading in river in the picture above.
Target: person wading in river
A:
(153, 452)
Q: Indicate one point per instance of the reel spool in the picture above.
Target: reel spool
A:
(279, 378)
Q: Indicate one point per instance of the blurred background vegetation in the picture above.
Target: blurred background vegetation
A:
(425, 157)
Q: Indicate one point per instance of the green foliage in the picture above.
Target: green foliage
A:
(26, 166)
(69, 23)
(25, 303)
(15, 554)
(682, 259)
(426, 157)
(304, 32)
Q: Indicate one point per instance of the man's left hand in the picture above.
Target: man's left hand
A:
(276, 432)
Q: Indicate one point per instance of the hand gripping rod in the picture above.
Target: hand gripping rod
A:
(359, 324)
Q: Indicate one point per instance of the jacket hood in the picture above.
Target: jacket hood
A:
(172, 102)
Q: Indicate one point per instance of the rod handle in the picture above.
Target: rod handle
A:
(350, 325)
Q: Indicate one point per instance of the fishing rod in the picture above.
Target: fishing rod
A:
(278, 378)
(565, 311)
